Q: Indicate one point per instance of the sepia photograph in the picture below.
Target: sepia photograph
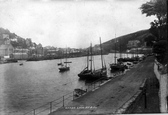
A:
(80, 57)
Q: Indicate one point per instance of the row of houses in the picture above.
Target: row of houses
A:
(8, 51)
(33, 49)
(134, 47)
(140, 50)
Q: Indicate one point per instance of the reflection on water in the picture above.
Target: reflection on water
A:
(36, 83)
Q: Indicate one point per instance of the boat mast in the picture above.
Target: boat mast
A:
(115, 50)
(127, 51)
(101, 53)
(91, 57)
(137, 51)
(66, 58)
(88, 59)
(120, 49)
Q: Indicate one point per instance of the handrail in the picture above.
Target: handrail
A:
(56, 103)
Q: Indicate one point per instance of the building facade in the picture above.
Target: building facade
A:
(6, 50)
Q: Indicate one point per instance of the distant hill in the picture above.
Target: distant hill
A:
(107, 46)
(123, 40)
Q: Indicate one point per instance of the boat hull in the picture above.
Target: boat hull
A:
(62, 69)
(93, 75)
(117, 67)
(21, 64)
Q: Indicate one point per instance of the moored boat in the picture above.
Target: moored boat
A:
(65, 65)
(89, 73)
(116, 66)
(64, 68)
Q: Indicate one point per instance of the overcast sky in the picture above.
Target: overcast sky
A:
(72, 23)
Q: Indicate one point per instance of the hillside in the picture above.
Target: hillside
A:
(140, 35)
(6, 31)
(107, 46)
(21, 42)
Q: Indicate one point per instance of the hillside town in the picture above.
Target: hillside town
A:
(13, 47)
(23, 49)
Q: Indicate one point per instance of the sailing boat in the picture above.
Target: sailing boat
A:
(64, 66)
(116, 66)
(60, 63)
(87, 71)
(121, 59)
(90, 73)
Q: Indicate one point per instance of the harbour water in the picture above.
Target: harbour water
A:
(23, 88)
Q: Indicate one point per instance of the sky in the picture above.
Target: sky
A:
(72, 23)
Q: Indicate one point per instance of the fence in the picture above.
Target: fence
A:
(51, 106)
(62, 101)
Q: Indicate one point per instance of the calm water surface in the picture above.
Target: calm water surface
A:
(35, 83)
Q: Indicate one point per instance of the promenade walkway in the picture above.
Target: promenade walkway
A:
(112, 95)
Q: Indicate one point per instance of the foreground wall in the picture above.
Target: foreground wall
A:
(163, 81)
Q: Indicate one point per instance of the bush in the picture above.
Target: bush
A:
(159, 49)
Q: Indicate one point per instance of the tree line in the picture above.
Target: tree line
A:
(158, 8)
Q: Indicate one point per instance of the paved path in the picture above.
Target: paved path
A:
(112, 95)
(152, 98)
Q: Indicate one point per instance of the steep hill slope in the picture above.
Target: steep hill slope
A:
(123, 40)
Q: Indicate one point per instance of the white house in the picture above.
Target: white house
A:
(6, 50)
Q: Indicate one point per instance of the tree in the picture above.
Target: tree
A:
(14, 44)
(158, 8)
(153, 30)
(150, 40)
(160, 50)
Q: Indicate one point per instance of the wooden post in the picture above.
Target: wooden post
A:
(50, 107)
(145, 98)
(167, 102)
(34, 112)
(63, 101)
